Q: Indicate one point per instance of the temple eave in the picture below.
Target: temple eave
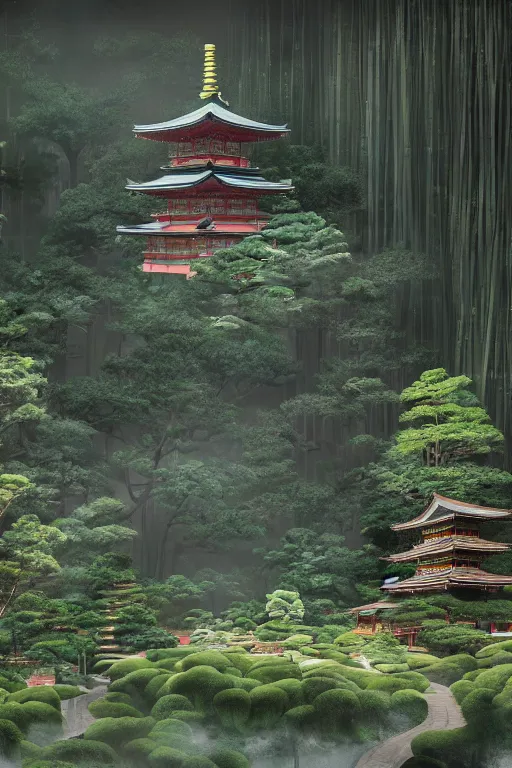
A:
(472, 578)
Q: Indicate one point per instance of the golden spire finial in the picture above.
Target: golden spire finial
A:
(210, 86)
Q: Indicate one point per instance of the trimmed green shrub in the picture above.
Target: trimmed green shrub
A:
(246, 683)
(42, 693)
(103, 664)
(301, 718)
(268, 703)
(199, 685)
(135, 681)
(416, 680)
(477, 706)
(293, 689)
(156, 654)
(335, 711)
(118, 698)
(168, 664)
(118, 730)
(122, 668)
(314, 686)
(472, 675)
(153, 688)
(241, 661)
(213, 659)
(419, 660)
(388, 684)
(101, 708)
(188, 716)
(271, 673)
(461, 688)
(410, 703)
(29, 751)
(502, 657)
(297, 641)
(39, 763)
(10, 738)
(446, 671)
(374, 705)
(67, 691)
(490, 650)
(198, 761)
(389, 668)
(166, 757)
(139, 749)
(16, 713)
(169, 728)
(78, 750)
(266, 661)
(494, 678)
(167, 704)
(233, 708)
(228, 758)
(39, 712)
(441, 745)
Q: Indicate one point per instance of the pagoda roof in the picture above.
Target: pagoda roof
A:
(449, 577)
(380, 606)
(180, 229)
(209, 180)
(447, 545)
(209, 120)
(443, 509)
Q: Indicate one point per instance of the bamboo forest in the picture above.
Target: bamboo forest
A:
(255, 384)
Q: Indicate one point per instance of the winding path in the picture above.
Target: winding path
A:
(77, 717)
(443, 715)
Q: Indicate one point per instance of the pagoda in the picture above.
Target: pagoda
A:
(211, 190)
(451, 549)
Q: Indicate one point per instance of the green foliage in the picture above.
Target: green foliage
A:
(461, 688)
(494, 679)
(67, 691)
(233, 708)
(101, 709)
(228, 758)
(410, 703)
(445, 746)
(268, 704)
(166, 757)
(80, 750)
(122, 668)
(166, 705)
(271, 673)
(285, 606)
(44, 694)
(115, 731)
(199, 684)
(10, 738)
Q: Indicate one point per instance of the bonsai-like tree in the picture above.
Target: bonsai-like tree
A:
(285, 606)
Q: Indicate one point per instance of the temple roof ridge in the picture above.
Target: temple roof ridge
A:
(212, 110)
(448, 544)
(452, 509)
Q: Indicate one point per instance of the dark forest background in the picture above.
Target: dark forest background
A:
(400, 108)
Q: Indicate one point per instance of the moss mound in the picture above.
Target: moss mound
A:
(80, 750)
(43, 693)
(168, 704)
(233, 708)
(67, 691)
(410, 703)
(122, 668)
(166, 757)
(461, 688)
(10, 738)
(199, 684)
(101, 708)
(214, 659)
(119, 730)
(228, 758)
(268, 704)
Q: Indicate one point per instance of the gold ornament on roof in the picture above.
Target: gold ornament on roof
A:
(210, 85)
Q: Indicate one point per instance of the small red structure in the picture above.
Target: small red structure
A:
(36, 680)
(211, 190)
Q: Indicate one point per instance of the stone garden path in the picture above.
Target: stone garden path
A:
(443, 715)
(76, 715)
